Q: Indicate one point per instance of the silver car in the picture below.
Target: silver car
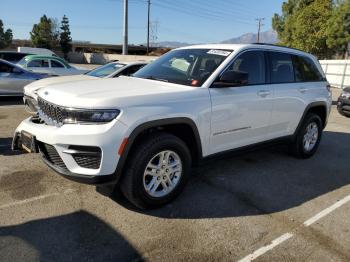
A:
(13, 78)
(110, 70)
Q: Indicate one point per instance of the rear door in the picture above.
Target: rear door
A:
(289, 100)
(241, 114)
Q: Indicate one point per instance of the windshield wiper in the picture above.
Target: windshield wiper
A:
(155, 78)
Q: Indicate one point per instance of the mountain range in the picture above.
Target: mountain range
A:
(269, 37)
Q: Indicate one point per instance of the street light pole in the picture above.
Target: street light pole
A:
(125, 31)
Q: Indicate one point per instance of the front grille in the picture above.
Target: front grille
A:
(50, 113)
(50, 153)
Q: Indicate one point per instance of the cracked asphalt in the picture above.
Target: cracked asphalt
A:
(230, 208)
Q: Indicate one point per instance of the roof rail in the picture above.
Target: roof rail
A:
(267, 44)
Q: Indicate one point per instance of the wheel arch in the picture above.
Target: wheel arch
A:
(319, 108)
(179, 126)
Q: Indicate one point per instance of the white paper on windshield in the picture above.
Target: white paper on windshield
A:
(219, 52)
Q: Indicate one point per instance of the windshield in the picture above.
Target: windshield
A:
(22, 62)
(184, 66)
(105, 70)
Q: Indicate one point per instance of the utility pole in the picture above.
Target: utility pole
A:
(125, 31)
(148, 22)
(260, 24)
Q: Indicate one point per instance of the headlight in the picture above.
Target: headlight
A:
(73, 116)
(345, 95)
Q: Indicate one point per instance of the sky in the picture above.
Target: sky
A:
(101, 21)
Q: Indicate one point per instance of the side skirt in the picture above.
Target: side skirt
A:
(249, 148)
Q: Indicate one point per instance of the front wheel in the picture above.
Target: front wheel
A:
(156, 171)
(308, 137)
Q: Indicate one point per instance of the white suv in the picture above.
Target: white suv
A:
(145, 132)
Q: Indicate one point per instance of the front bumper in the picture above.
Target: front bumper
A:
(343, 106)
(63, 141)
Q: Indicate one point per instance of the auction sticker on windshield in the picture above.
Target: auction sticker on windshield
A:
(219, 52)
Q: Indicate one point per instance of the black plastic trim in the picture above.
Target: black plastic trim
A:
(307, 109)
(248, 148)
(156, 123)
(92, 180)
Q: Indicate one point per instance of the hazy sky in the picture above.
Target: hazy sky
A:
(100, 21)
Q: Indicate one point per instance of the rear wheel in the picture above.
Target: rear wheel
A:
(308, 137)
(156, 171)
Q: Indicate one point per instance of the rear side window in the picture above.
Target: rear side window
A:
(252, 63)
(306, 70)
(281, 68)
(56, 64)
(39, 63)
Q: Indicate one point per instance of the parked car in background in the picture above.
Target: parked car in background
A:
(12, 56)
(13, 78)
(116, 69)
(50, 65)
(110, 70)
(343, 104)
(36, 51)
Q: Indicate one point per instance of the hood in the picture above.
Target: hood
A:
(113, 92)
(30, 90)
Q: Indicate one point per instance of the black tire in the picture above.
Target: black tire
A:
(132, 185)
(297, 147)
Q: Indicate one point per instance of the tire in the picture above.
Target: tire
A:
(148, 152)
(299, 148)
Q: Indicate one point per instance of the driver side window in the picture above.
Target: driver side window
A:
(252, 64)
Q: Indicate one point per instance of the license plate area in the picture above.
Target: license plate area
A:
(28, 142)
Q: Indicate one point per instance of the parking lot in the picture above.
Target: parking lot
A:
(263, 204)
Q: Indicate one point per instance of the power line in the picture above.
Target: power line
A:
(197, 13)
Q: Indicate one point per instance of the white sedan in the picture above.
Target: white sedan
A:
(110, 70)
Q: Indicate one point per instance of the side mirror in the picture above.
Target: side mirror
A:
(232, 78)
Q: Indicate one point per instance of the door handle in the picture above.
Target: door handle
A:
(302, 90)
(264, 93)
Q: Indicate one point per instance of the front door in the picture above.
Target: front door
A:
(241, 114)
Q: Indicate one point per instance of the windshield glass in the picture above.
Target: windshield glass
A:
(184, 66)
(105, 70)
(22, 62)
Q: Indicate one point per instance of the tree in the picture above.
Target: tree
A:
(5, 36)
(65, 36)
(339, 28)
(303, 25)
(43, 34)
